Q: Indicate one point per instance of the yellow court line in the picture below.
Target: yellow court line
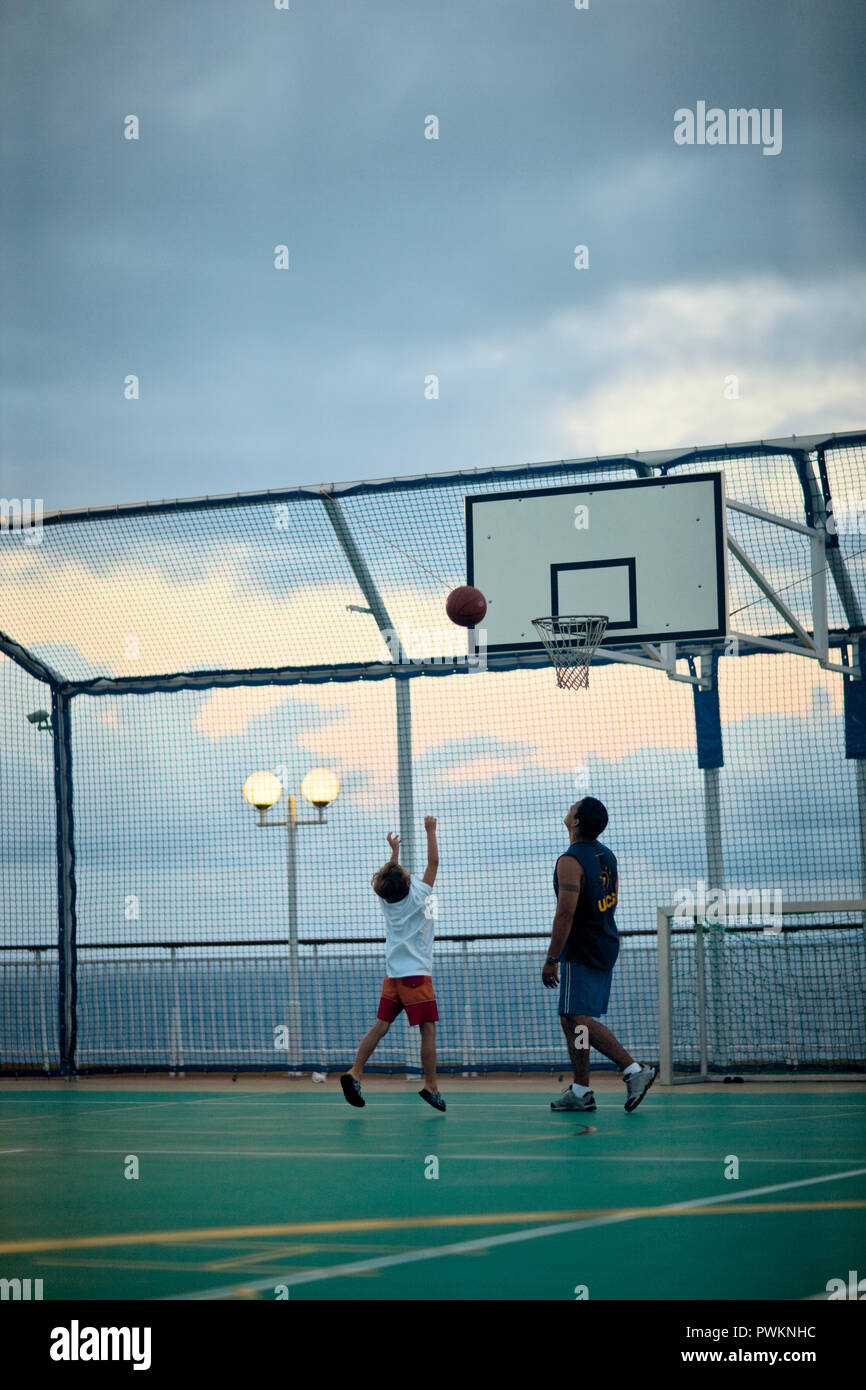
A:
(265, 1256)
(302, 1228)
(176, 1267)
(743, 1207)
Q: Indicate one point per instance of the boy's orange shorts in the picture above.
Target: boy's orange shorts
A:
(414, 993)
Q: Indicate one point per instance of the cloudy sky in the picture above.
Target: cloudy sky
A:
(412, 257)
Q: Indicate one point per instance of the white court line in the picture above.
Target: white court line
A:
(247, 1101)
(332, 1115)
(459, 1104)
(465, 1247)
(581, 1155)
(88, 1097)
(319, 1128)
(113, 1108)
(63, 1112)
(462, 1100)
(327, 1115)
(765, 1119)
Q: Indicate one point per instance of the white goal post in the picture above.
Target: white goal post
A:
(786, 998)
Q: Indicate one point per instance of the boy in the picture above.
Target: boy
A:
(407, 908)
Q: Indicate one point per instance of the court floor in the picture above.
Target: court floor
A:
(263, 1194)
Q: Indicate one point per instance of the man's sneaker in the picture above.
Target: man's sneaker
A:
(432, 1098)
(637, 1085)
(352, 1090)
(569, 1101)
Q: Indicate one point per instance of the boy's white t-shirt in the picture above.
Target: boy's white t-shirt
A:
(409, 929)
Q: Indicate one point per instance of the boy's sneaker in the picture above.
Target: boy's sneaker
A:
(352, 1090)
(569, 1101)
(637, 1085)
(433, 1098)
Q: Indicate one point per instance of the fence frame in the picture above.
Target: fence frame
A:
(807, 458)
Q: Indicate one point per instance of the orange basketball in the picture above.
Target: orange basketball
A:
(466, 606)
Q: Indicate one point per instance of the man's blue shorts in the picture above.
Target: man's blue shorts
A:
(583, 990)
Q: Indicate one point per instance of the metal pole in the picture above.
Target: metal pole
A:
(405, 793)
(468, 1044)
(702, 999)
(176, 1038)
(716, 1036)
(66, 937)
(715, 879)
(294, 1057)
(819, 596)
(43, 1023)
(860, 774)
(337, 518)
(713, 829)
(666, 1054)
(321, 1036)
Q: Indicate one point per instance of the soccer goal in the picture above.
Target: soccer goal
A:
(778, 993)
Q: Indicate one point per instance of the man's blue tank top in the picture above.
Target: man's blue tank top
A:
(594, 939)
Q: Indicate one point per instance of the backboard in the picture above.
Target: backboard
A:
(650, 553)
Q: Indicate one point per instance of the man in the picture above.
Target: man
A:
(586, 941)
(408, 909)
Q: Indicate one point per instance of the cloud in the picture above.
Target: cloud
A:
(686, 405)
(647, 367)
(230, 713)
(475, 729)
(134, 620)
(482, 770)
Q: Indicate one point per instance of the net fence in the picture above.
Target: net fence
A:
(783, 1000)
(148, 921)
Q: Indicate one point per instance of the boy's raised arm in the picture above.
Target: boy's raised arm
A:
(432, 851)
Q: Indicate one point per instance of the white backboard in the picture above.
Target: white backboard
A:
(649, 553)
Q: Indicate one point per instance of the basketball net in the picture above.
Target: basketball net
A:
(571, 642)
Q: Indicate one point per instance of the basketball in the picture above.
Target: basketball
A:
(466, 606)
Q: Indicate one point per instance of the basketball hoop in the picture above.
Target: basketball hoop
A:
(571, 642)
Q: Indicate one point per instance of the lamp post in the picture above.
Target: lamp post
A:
(263, 790)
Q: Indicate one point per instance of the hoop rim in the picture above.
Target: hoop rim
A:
(573, 618)
(571, 641)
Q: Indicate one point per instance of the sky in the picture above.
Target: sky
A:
(411, 257)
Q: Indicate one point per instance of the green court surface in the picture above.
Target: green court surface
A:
(241, 1193)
